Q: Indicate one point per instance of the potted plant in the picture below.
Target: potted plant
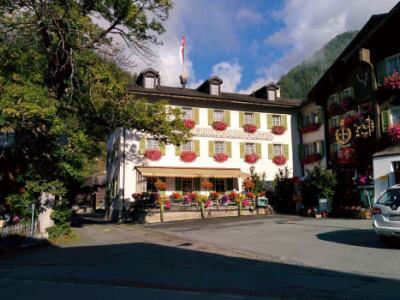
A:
(325, 183)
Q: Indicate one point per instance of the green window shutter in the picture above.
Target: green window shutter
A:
(211, 148)
(241, 119)
(227, 117)
(381, 71)
(178, 184)
(284, 121)
(301, 152)
(196, 115)
(322, 148)
(257, 119)
(286, 151)
(142, 145)
(178, 150)
(270, 151)
(210, 116)
(196, 145)
(269, 121)
(229, 184)
(320, 116)
(241, 149)
(385, 120)
(196, 184)
(228, 148)
(258, 150)
(162, 149)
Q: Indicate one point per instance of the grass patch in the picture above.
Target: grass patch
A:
(66, 239)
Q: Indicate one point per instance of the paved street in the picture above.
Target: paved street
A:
(276, 257)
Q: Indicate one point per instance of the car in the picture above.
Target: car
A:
(386, 216)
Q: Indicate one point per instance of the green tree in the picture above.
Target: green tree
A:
(62, 90)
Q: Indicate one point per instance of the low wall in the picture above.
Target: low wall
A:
(153, 215)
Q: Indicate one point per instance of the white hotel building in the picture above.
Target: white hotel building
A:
(129, 171)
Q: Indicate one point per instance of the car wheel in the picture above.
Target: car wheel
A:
(389, 242)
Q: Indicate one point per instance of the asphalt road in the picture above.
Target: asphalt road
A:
(242, 258)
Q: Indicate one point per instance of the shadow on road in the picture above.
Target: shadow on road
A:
(155, 271)
(356, 237)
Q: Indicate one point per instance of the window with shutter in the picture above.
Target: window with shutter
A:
(250, 148)
(152, 143)
(276, 120)
(187, 113)
(188, 146)
(219, 147)
(218, 115)
(248, 118)
(277, 150)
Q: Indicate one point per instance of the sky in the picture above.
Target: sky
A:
(249, 43)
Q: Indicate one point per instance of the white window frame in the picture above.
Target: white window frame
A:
(149, 82)
(187, 147)
(249, 118)
(276, 120)
(277, 149)
(214, 89)
(251, 147)
(272, 95)
(151, 143)
(218, 115)
(187, 113)
(218, 144)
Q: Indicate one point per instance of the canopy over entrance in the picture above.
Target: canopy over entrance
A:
(190, 172)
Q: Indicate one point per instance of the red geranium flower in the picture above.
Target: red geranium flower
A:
(250, 195)
(233, 195)
(251, 158)
(220, 157)
(279, 160)
(188, 156)
(394, 132)
(249, 128)
(393, 81)
(188, 123)
(278, 130)
(312, 158)
(310, 127)
(153, 154)
(219, 125)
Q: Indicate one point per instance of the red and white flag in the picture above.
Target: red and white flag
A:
(182, 50)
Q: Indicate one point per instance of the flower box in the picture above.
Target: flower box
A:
(249, 128)
(394, 132)
(279, 160)
(312, 158)
(153, 154)
(188, 123)
(310, 127)
(220, 157)
(251, 158)
(188, 156)
(219, 125)
(393, 81)
(278, 130)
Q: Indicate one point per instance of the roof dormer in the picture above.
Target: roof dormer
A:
(211, 86)
(271, 92)
(148, 78)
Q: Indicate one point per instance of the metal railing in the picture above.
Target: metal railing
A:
(18, 229)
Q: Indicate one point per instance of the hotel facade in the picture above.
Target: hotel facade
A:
(232, 136)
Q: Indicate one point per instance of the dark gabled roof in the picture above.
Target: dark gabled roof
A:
(177, 92)
(362, 38)
(389, 151)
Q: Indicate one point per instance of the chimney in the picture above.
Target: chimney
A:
(183, 78)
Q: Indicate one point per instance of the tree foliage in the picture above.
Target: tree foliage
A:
(62, 90)
(299, 80)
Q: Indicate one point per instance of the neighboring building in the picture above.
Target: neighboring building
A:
(223, 155)
(312, 130)
(359, 107)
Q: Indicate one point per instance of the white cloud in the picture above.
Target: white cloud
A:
(249, 15)
(230, 73)
(309, 24)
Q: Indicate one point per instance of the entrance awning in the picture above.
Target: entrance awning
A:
(190, 172)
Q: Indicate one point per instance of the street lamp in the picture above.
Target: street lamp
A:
(252, 168)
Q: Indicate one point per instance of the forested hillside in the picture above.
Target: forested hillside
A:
(299, 80)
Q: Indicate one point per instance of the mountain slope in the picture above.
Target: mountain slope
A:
(299, 80)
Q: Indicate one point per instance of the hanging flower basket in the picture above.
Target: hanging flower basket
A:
(393, 81)
(346, 155)
(279, 160)
(220, 157)
(188, 156)
(278, 130)
(153, 154)
(207, 185)
(394, 132)
(249, 128)
(310, 127)
(312, 158)
(188, 123)
(251, 158)
(219, 125)
(160, 185)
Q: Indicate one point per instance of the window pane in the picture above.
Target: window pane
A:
(249, 118)
(218, 115)
(219, 185)
(276, 120)
(219, 147)
(271, 95)
(277, 150)
(214, 89)
(249, 148)
(149, 82)
(187, 113)
(187, 146)
(152, 144)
